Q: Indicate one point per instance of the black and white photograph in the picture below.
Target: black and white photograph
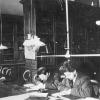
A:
(49, 49)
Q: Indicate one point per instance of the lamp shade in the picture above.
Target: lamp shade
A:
(98, 22)
(3, 47)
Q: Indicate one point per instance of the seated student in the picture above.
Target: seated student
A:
(45, 78)
(78, 83)
(41, 76)
(39, 80)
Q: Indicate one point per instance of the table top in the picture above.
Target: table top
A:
(20, 93)
(37, 95)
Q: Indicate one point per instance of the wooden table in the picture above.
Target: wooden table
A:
(34, 95)
(14, 92)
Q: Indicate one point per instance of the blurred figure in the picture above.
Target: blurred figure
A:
(74, 82)
(41, 77)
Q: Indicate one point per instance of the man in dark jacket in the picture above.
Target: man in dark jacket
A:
(78, 84)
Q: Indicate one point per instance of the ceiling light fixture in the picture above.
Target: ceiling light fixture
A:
(71, 0)
(98, 22)
(92, 3)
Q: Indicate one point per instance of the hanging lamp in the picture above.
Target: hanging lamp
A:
(98, 22)
(1, 45)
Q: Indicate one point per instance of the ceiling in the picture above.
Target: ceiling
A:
(11, 7)
(81, 8)
(15, 7)
(87, 13)
(89, 2)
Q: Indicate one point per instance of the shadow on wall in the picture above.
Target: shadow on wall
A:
(89, 68)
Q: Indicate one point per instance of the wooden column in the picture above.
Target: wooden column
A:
(30, 28)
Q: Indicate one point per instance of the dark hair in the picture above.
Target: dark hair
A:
(66, 66)
(41, 70)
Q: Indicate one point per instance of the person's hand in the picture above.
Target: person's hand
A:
(62, 93)
(68, 92)
(65, 92)
(47, 74)
(99, 90)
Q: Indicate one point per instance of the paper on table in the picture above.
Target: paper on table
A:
(36, 87)
(38, 94)
(58, 98)
(29, 85)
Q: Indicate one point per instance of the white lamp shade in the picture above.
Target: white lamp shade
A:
(98, 22)
(3, 47)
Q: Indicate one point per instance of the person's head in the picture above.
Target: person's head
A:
(68, 70)
(70, 75)
(42, 74)
(65, 66)
(41, 70)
